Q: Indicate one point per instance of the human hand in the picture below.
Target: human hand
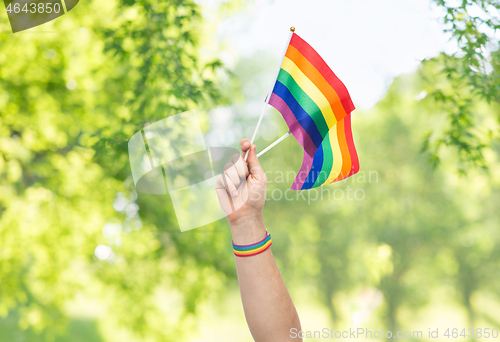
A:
(241, 191)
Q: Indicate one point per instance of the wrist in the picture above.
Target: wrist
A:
(248, 229)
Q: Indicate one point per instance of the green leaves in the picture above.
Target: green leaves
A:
(463, 108)
(469, 77)
(69, 102)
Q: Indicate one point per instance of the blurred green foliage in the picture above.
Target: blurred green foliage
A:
(71, 94)
(472, 75)
(70, 100)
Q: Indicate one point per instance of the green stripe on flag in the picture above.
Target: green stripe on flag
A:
(304, 101)
(327, 161)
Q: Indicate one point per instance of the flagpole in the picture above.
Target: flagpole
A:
(274, 143)
(268, 97)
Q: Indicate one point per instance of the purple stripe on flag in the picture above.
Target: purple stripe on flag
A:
(303, 173)
(297, 130)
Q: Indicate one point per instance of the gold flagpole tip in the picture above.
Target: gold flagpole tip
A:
(292, 29)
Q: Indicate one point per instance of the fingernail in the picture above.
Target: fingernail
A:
(234, 193)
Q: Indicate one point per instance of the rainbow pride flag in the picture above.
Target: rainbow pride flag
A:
(317, 109)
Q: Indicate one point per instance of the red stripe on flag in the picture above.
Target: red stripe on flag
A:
(350, 144)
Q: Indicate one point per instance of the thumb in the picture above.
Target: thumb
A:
(253, 163)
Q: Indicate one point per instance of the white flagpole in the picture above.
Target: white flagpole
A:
(292, 30)
(274, 143)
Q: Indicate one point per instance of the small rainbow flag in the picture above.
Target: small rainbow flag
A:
(317, 108)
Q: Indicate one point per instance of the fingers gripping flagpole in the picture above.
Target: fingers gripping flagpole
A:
(292, 30)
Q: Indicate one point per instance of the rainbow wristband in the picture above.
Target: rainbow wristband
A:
(253, 249)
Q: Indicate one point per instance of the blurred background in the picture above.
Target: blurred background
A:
(84, 257)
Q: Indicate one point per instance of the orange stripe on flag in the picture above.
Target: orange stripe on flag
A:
(346, 158)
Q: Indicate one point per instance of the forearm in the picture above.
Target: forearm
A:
(269, 310)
